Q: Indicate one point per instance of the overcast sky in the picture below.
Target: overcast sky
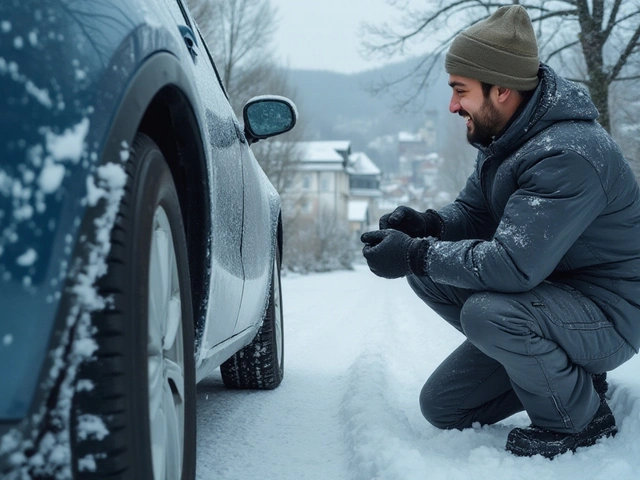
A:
(322, 34)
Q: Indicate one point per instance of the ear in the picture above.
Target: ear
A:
(503, 93)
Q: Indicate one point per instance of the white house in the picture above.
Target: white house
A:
(335, 186)
(322, 181)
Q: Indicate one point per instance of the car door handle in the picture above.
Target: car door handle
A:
(189, 40)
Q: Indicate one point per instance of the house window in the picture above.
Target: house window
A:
(306, 182)
(325, 182)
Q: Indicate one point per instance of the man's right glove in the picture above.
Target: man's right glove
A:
(413, 223)
(394, 254)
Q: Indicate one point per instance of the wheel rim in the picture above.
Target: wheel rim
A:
(277, 307)
(166, 354)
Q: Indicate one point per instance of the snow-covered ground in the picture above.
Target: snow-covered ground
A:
(358, 350)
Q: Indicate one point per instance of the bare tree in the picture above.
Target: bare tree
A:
(603, 34)
(319, 243)
(626, 124)
(239, 34)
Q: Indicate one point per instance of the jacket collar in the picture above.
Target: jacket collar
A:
(519, 127)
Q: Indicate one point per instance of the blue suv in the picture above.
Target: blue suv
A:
(140, 241)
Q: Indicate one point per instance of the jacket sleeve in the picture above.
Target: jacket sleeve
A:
(468, 217)
(557, 198)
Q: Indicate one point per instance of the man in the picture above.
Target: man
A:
(537, 262)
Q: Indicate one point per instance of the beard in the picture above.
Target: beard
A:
(486, 124)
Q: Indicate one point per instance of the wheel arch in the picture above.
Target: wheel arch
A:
(171, 122)
(158, 103)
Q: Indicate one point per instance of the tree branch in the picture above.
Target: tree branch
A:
(612, 17)
(399, 40)
(625, 79)
(631, 45)
(561, 49)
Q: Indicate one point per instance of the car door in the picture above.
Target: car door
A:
(221, 133)
(259, 227)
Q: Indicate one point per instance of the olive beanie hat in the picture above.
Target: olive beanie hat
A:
(500, 50)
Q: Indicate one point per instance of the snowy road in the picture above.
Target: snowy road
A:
(357, 351)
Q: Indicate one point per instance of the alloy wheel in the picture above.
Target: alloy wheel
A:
(165, 354)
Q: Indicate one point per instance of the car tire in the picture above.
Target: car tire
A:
(134, 409)
(260, 365)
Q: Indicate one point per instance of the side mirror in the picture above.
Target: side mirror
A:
(268, 115)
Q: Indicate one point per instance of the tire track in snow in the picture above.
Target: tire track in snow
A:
(295, 431)
(372, 392)
(373, 444)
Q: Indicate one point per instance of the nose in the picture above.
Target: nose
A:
(454, 104)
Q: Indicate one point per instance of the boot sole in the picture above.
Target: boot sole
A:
(550, 453)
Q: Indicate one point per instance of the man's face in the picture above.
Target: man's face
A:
(483, 118)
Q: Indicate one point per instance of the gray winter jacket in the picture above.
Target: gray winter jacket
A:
(551, 199)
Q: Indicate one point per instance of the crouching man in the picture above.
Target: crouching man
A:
(537, 261)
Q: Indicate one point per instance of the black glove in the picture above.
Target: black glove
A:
(413, 223)
(393, 254)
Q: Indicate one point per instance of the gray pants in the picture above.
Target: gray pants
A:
(530, 351)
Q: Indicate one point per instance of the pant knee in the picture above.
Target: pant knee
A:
(437, 411)
(489, 318)
(477, 316)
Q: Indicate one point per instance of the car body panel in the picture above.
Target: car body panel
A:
(259, 215)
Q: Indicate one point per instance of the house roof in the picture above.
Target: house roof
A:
(321, 151)
(339, 145)
(361, 164)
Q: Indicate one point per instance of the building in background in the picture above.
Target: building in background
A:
(364, 193)
(333, 191)
(322, 181)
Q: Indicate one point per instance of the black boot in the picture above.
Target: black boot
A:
(526, 442)
(600, 384)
